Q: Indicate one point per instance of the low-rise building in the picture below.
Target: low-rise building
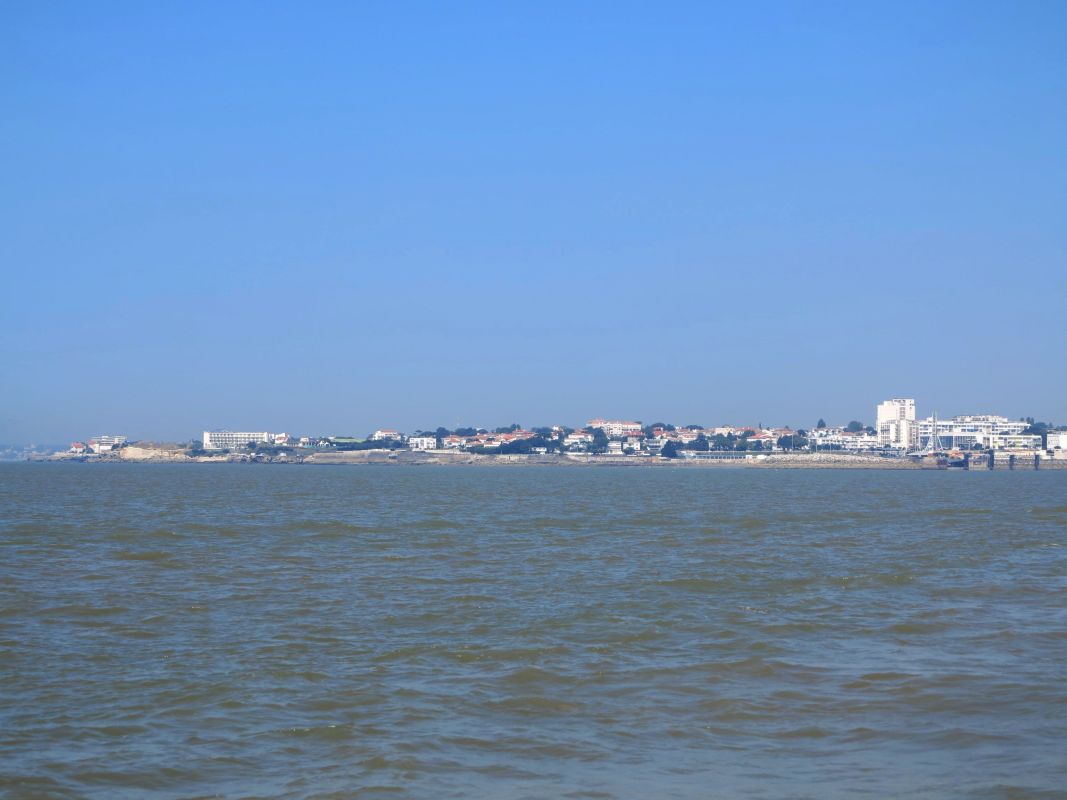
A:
(378, 436)
(686, 435)
(841, 439)
(578, 439)
(1015, 441)
(1056, 440)
(105, 444)
(615, 427)
(654, 444)
(234, 440)
(762, 440)
(422, 443)
(968, 430)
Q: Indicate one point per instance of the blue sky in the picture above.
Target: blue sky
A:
(331, 217)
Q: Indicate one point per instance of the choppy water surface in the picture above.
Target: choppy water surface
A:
(244, 631)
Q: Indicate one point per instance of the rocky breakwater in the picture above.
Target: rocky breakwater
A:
(830, 461)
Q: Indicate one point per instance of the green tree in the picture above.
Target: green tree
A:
(670, 450)
(649, 428)
(821, 423)
(854, 426)
(600, 441)
(524, 446)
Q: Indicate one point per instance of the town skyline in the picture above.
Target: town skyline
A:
(160, 432)
(900, 415)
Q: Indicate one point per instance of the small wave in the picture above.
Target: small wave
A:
(885, 677)
(472, 598)
(434, 525)
(159, 557)
(534, 676)
(701, 585)
(907, 628)
(82, 611)
(535, 705)
(326, 733)
(808, 732)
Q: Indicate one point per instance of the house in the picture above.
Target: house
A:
(765, 439)
(378, 436)
(578, 439)
(654, 445)
(422, 443)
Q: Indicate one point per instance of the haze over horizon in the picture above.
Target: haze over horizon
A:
(328, 219)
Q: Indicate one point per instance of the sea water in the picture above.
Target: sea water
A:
(430, 632)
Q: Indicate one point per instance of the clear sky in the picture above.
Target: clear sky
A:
(332, 217)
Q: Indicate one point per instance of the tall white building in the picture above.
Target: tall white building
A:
(896, 423)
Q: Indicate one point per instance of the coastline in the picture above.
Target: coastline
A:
(461, 459)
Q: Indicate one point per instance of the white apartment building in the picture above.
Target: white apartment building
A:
(1056, 440)
(234, 440)
(834, 438)
(422, 443)
(104, 444)
(615, 427)
(1015, 441)
(967, 430)
(896, 423)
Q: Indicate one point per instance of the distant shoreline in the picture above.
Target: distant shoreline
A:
(458, 459)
